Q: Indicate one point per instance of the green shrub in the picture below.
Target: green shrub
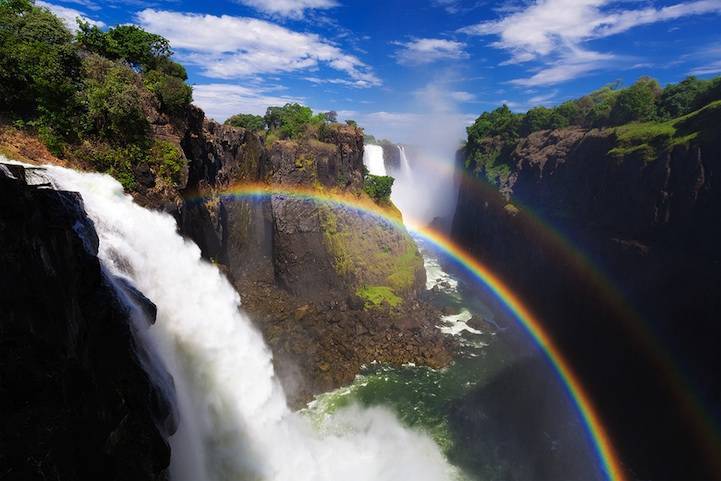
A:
(254, 123)
(39, 67)
(167, 160)
(172, 92)
(636, 103)
(114, 108)
(378, 187)
(139, 48)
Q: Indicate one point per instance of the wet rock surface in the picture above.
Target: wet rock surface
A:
(77, 403)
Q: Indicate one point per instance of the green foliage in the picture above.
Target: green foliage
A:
(141, 49)
(250, 122)
(117, 161)
(686, 96)
(113, 100)
(377, 296)
(39, 68)
(172, 92)
(500, 122)
(292, 120)
(352, 123)
(636, 103)
(646, 140)
(378, 187)
(542, 118)
(168, 161)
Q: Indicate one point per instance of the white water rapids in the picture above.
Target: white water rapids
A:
(234, 423)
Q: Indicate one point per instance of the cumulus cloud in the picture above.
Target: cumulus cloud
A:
(427, 50)
(220, 101)
(228, 47)
(554, 31)
(69, 16)
(288, 8)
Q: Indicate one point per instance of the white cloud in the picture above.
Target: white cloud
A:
(708, 69)
(230, 47)
(288, 8)
(554, 31)
(69, 15)
(220, 101)
(426, 50)
(461, 96)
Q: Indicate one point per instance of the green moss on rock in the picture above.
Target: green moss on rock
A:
(377, 296)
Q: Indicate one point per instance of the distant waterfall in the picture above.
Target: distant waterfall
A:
(405, 167)
(373, 159)
(234, 422)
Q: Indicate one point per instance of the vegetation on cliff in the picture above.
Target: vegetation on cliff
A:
(89, 96)
(644, 117)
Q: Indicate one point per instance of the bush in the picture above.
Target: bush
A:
(39, 68)
(291, 120)
(141, 49)
(114, 108)
(636, 103)
(541, 118)
(167, 160)
(254, 123)
(172, 92)
(378, 187)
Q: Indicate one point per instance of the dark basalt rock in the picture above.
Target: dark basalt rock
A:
(76, 401)
(653, 226)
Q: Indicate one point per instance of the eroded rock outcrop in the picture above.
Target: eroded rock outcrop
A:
(299, 264)
(76, 400)
(649, 218)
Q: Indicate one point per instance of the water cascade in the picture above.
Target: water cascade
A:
(373, 159)
(405, 166)
(234, 422)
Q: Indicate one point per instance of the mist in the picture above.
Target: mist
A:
(427, 188)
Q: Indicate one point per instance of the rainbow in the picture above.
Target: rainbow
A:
(605, 452)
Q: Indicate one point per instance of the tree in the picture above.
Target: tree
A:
(114, 106)
(250, 122)
(636, 103)
(378, 187)
(542, 118)
(290, 120)
(141, 49)
(500, 122)
(331, 116)
(39, 68)
(172, 92)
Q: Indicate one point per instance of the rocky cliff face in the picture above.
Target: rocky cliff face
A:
(77, 403)
(649, 219)
(299, 265)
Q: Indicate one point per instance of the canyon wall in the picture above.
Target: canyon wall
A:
(580, 212)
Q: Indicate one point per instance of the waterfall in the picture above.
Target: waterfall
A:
(373, 159)
(234, 421)
(405, 167)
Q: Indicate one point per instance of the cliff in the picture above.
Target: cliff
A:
(642, 202)
(77, 403)
(331, 288)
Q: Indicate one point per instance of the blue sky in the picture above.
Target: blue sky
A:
(406, 68)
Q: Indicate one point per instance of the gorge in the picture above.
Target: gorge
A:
(210, 294)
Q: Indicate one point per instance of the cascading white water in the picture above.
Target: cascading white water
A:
(234, 422)
(405, 166)
(373, 159)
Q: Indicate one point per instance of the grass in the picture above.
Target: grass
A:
(649, 139)
(377, 296)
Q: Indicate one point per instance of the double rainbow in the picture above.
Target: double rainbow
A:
(605, 452)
